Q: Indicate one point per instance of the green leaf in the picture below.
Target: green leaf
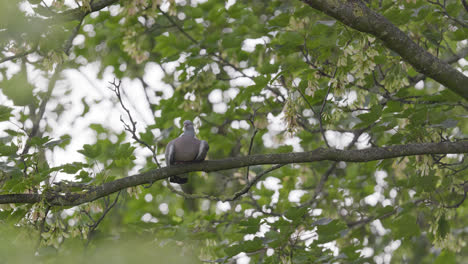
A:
(169, 45)
(98, 128)
(275, 239)
(453, 9)
(280, 20)
(398, 16)
(6, 150)
(373, 115)
(14, 132)
(369, 118)
(18, 89)
(381, 211)
(290, 40)
(72, 168)
(393, 106)
(443, 227)
(56, 142)
(405, 226)
(5, 113)
(427, 182)
(446, 257)
(330, 231)
(124, 151)
(459, 34)
(250, 226)
(245, 246)
(39, 141)
(295, 213)
(122, 163)
(11, 170)
(91, 151)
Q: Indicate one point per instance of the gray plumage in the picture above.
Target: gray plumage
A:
(185, 148)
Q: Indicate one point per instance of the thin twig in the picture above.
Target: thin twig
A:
(305, 54)
(465, 5)
(132, 127)
(177, 25)
(233, 197)
(36, 119)
(250, 151)
(444, 11)
(187, 35)
(42, 228)
(93, 227)
(252, 122)
(458, 203)
(19, 55)
(69, 42)
(321, 111)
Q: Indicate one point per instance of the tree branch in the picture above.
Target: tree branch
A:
(364, 155)
(19, 55)
(357, 15)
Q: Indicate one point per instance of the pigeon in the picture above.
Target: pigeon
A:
(185, 148)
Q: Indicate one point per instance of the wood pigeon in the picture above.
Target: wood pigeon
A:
(186, 148)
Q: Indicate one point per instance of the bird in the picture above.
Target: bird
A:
(186, 148)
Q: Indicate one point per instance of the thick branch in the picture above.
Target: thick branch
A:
(360, 17)
(364, 155)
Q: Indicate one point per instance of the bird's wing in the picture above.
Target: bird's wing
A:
(170, 152)
(202, 150)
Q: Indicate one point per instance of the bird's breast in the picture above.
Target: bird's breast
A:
(186, 149)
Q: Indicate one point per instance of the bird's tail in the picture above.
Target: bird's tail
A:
(180, 179)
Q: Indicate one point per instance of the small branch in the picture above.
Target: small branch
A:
(42, 107)
(177, 25)
(443, 10)
(132, 127)
(79, 13)
(254, 181)
(69, 42)
(228, 199)
(305, 54)
(322, 108)
(465, 5)
(42, 228)
(458, 203)
(95, 224)
(19, 55)
(187, 35)
(320, 114)
(252, 122)
(250, 151)
(36, 118)
(367, 220)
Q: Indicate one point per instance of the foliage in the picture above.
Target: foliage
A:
(258, 77)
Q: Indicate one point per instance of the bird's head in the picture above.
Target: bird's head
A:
(188, 125)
